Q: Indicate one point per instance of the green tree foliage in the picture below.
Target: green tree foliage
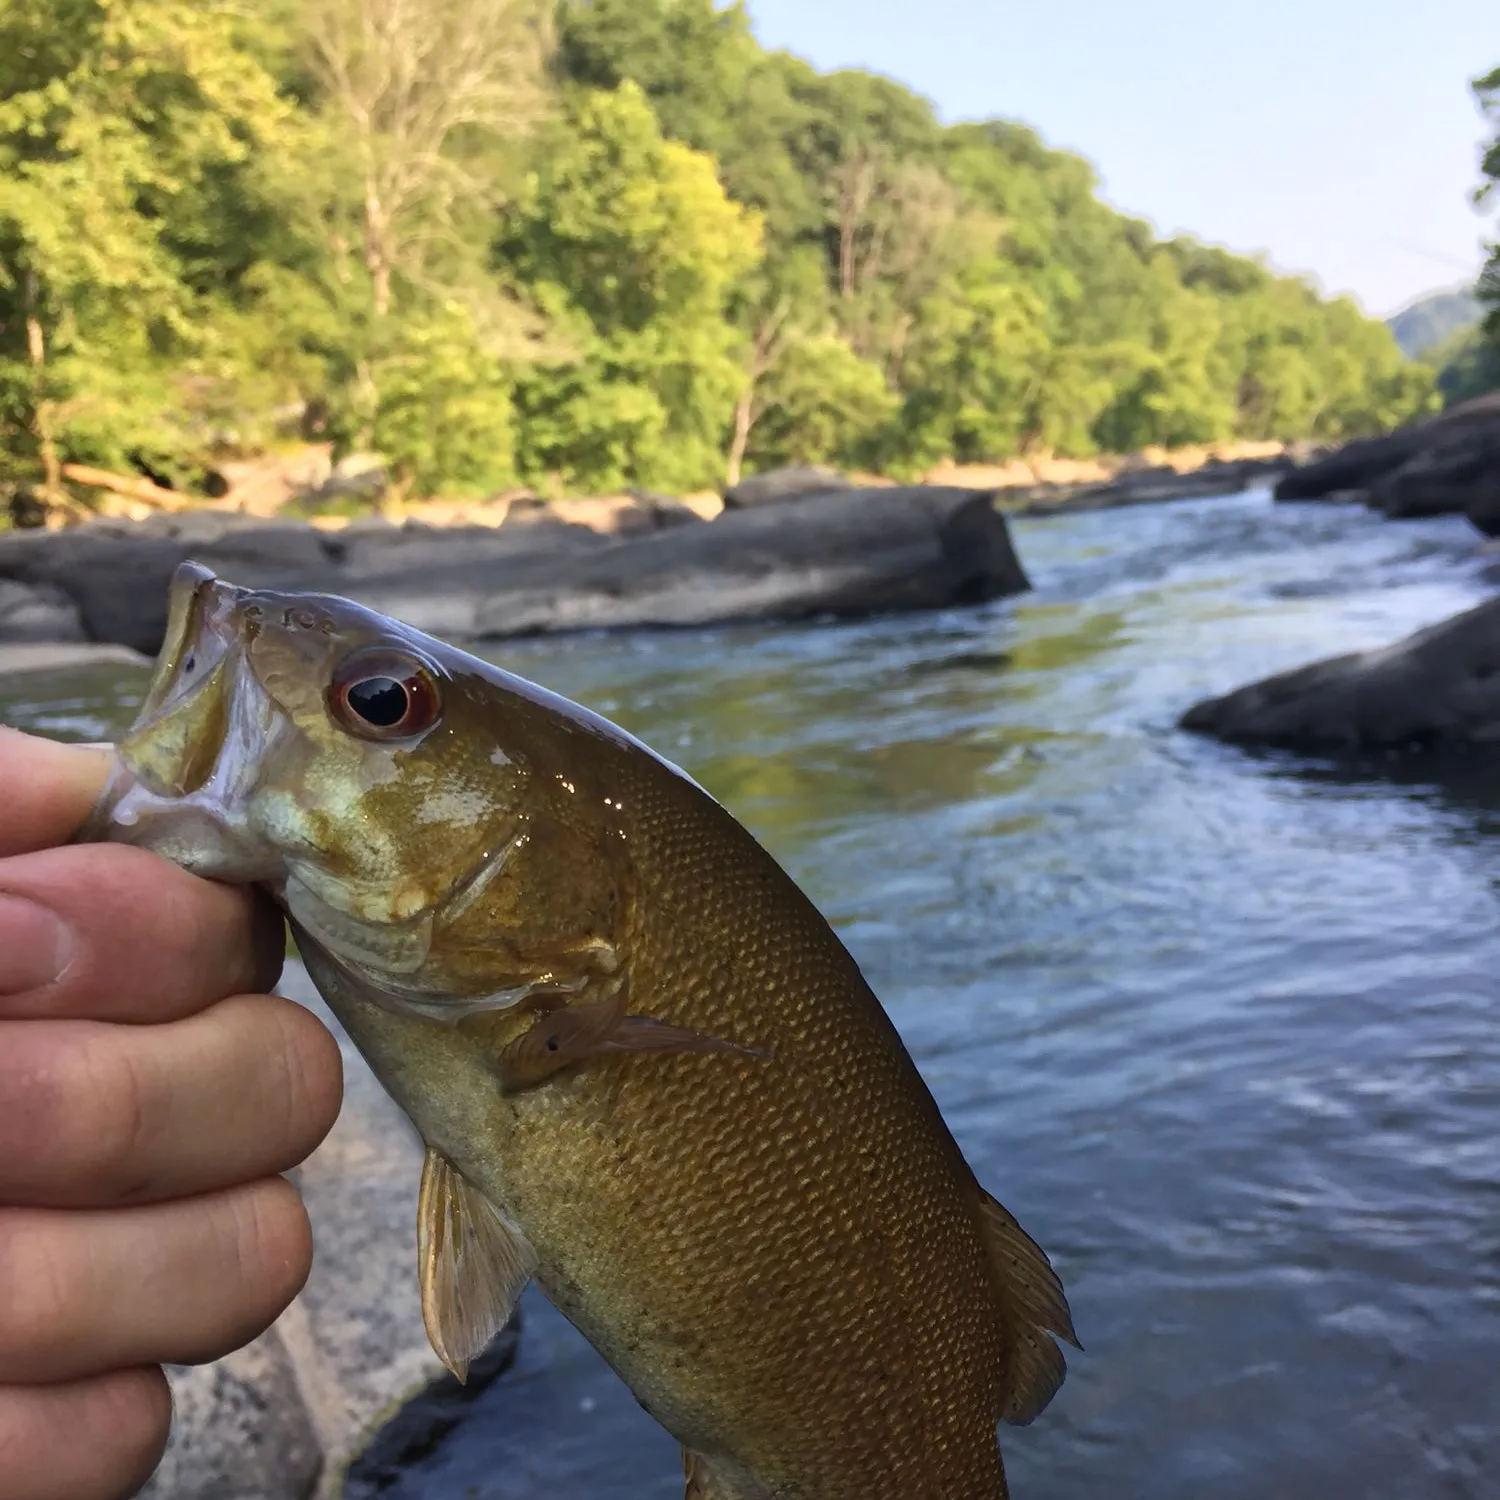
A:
(132, 193)
(1475, 364)
(630, 249)
(596, 244)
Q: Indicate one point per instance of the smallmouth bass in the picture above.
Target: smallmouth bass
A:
(648, 1074)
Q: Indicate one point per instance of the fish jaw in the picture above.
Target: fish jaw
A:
(186, 772)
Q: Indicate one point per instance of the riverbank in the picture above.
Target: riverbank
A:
(835, 553)
(793, 544)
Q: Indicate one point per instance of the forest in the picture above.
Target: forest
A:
(591, 245)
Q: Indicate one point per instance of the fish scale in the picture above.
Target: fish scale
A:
(646, 1069)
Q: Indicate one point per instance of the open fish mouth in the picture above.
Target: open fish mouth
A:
(186, 767)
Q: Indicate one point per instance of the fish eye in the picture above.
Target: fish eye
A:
(384, 695)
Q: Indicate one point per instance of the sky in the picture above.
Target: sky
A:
(1337, 136)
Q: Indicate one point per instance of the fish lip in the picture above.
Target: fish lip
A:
(196, 740)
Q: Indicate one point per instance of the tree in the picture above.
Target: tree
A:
(415, 88)
(629, 247)
(650, 255)
(122, 128)
(1487, 92)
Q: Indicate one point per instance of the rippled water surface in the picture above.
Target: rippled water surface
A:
(1222, 1030)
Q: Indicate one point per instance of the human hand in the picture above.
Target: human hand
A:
(149, 1096)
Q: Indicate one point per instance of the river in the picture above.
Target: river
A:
(1220, 1029)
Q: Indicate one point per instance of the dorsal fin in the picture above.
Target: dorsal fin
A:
(1035, 1306)
(472, 1264)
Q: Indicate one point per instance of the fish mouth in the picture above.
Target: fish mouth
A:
(185, 768)
(181, 732)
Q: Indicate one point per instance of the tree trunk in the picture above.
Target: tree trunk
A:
(41, 417)
(744, 420)
(899, 336)
(368, 404)
(377, 256)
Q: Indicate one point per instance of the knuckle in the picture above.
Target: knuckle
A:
(272, 1247)
(121, 1115)
(307, 1078)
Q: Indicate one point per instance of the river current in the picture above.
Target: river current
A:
(1221, 1029)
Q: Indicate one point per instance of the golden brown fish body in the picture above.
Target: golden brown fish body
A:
(646, 1069)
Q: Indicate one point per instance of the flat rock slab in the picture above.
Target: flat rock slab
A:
(1438, 687)
(347, 1369)
(848, 553)
(25, 659)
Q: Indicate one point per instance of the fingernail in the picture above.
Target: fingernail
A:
(36, 947)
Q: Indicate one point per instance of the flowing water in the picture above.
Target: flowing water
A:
(1222, 1030)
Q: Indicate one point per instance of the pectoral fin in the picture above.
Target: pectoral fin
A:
(472, 1264)
(573, 1033)
(1035, 1306)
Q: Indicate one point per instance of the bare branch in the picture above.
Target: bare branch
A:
(409, 80)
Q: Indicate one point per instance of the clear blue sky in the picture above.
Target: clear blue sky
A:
(1339, 136)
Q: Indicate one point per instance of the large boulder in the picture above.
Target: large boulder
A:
(116, 574)
(37, 612)
(855, 553)
(1355, 466)
(1417, 470)
(851, 553)
(1458, 475)
(1440, 686)
(792, 483)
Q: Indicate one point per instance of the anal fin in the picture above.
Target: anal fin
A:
(1035, 1307)
(707, 1483)
(472, 1265)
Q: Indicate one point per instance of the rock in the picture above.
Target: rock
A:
(1142, 487)
(850, 553)
(37, 612)
(784, 484)
(1461, 474)
(854, 553)
(116, 574)
(619, 515)
(666, 510)
(1355, 466)
(1413, 471)
(1440, 686)
(18, 660)
(240, 1431)
(286, 1418)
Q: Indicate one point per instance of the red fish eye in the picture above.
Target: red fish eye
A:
(384, 695)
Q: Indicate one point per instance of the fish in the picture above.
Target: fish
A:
(648, 1075)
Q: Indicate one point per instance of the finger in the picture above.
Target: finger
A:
(108, 933)
(94, 1116)
(49, 789)
(97, 1439)
(175, 1283)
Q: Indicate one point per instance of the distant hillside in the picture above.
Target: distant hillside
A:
(1424, 325)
